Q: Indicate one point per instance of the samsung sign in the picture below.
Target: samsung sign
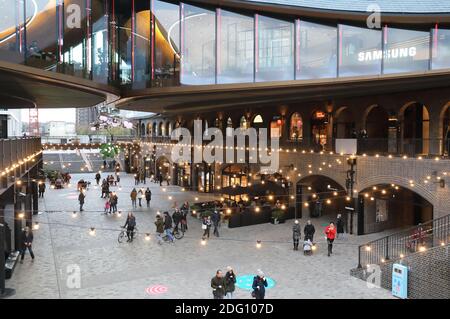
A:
(396, 53)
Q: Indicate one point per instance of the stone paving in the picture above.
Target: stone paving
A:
(108, 269)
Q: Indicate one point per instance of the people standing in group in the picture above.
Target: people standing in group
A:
(98, 177)
(41, 189)
(309, 231)
(168, 226)
(148, 196)
(330, 232)
(206, 226)
(133, 196)
(296, 234)
(339, 227)
(130, 223)
(27, 243)
(259, 285)
(218, 285)
(215, 218)
(159, 223)
(81, 198)
(230, 281)
(140, 196)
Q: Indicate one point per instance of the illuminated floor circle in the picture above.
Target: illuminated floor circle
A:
(156, 290)
(246, 282)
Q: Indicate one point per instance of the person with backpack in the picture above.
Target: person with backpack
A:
(259, 286)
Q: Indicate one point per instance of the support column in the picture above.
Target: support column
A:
(18, 224)
(35, 199)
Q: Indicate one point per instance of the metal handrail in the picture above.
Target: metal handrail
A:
(408, 241)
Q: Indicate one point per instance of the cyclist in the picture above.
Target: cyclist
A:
(130, 224)
(168, 226)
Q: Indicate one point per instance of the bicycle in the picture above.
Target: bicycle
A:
(123, 234)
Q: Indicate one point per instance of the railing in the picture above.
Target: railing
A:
(14, 150)
(85, 139)
(415, 239)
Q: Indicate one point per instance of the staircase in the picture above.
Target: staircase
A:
(424, 249)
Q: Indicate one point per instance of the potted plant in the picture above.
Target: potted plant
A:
(277, 216)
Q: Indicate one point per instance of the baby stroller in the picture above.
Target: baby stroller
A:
(307, 247)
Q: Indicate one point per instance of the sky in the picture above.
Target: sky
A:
(47, 115)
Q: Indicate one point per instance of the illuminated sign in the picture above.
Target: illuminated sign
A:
(396, 53)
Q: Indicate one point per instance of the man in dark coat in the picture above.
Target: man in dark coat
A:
(81, 200)
(41, 189)
(159, 223)
(98, 177)
(296, 234)
(176, 216)
(130, 223)
(27, 241)
(148, 196)
(309, 231)
(339, 226)
(230, 281)
(259, 285)
(168, 226)
(218, 285)
(215, 218)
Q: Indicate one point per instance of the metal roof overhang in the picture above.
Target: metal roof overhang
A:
(185, 99)
(27, 87)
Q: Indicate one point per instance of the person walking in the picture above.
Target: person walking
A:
(296, 234)
(339, 227)
(218, 285)
(136, 179)
(140, 196)
(259, 285)
(148, 196)
(81, 198)
(27, 242)
(108, 207)
(230, 281)
(168, 226)
(206, 226)
(98, 177)
(133, 196)
(159, 223)
(309, 231)
(215, 218)
(184, 212)
(41, 189)
(130, 223)
(330, 232)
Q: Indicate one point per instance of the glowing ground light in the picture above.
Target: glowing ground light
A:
(246, 282)
(156, 290)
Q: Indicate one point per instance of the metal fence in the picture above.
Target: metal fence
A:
(415, 239)
(13, 150)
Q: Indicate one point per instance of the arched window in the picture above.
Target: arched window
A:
(296, 127)
(244, 123)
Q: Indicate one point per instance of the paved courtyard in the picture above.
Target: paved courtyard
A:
(108, 269)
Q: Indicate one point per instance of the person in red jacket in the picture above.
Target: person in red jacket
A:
(330, 231)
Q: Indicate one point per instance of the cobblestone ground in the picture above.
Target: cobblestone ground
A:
(111, 270)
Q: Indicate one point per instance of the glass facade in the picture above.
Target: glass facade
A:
(274, 49)
(316, 51)
(440, 48)
(360, 51)
(235, 47)
(405, 50)
(198, 45)
(156, 43)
